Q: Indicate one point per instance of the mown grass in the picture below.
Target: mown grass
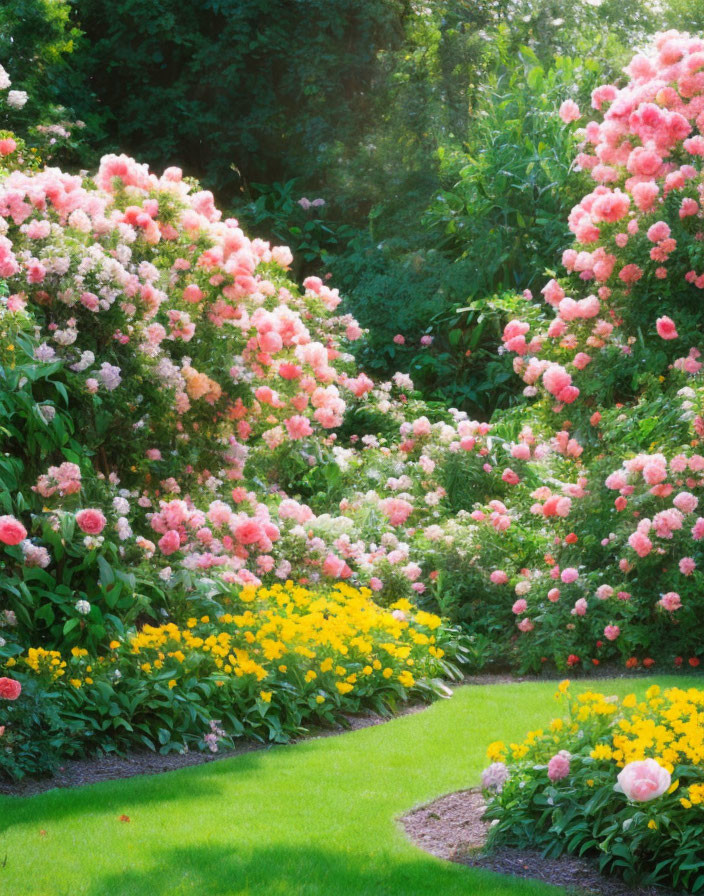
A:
(315, 819)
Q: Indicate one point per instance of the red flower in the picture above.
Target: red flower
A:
(571, 539)
(572, 659)
(648, 662)
(693, 662)
(678, 661)
(631, 662)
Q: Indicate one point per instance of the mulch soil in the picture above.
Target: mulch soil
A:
(452, 828)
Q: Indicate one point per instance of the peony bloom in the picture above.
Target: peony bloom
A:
(11, 530)
(666, 328)
(10, 689)
(498, 577)
(611, 632)
(520, 606)
(559, 766)
(670, 601)
(90, 521)
(643, 781)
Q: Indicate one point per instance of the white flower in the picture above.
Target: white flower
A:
(5, 81)
(17, 98)
(83, 607)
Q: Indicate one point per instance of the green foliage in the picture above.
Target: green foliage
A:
(229, 89)
(34, 736)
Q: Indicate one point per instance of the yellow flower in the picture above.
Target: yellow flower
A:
(653, 825)
(496, 751)
(406, 679)
(320, 699)
(344, 687)
(266, 696)
(172, 684)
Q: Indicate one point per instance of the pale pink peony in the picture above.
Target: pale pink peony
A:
(644, 780)
(559, 766)
(569, 111)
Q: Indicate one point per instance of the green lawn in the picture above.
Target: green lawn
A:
(316, 818)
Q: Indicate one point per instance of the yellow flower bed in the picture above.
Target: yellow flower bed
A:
(273, 660)
(340, 639)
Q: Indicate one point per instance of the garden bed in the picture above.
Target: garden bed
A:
(452, 827)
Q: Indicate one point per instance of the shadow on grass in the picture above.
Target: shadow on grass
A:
(302, 871)
(192, 783)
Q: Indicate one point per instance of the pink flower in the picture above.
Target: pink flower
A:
(640, 543)
(498, 577)
(397, 510)
(248, 532)
(11, 530)
(643, 781)
(525, 625)
(399, 339)
(687, 566)
(569, 575)
(559, 766)
(611, 632)
(686, 502)
(336, 568)
(91, 521)
(670, 601)
(569, 111)
(7, 146)
(520, 606)
(298, 427)
(580, 607)
(170, 542)
(10, 689)
(666, 328)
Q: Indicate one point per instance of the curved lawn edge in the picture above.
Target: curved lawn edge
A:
(317, 818)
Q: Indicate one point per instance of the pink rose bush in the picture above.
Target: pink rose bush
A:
(617, 779)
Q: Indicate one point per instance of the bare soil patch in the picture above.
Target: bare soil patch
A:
(452, 828)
